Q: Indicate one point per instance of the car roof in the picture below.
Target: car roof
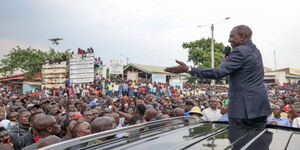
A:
(186, 133)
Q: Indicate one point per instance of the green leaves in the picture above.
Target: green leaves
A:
(28, 60)
(199, 52)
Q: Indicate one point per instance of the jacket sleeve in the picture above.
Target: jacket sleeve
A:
(235, 62)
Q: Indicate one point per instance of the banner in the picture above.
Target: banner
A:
(116, 66)
(159, 78)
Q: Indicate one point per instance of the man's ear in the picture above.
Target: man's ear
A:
(245, 37)
(49, 129)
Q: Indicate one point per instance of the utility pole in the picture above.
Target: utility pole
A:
(213, 44)
(212, 51)
(212, 47)
(275, 65)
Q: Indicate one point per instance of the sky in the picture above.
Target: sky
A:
(150, 32)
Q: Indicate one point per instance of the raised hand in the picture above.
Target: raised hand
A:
(182, 67)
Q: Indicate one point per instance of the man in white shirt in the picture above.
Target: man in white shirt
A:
(296, 121)
(212, 113)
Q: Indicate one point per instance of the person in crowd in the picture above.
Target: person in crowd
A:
(136, 119)
(4, 136)
(188, 106)
(224, 113)
(177, 112)
(196, 113)
(6, 146)
(88, 115)
(32, 136)
(49, 140)
(102, 124)
(280, 120)
(212, 113)
(68, 127)
(81, 129)
(22, 128)
(296, 120)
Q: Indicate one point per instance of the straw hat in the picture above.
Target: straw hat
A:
(196, 110)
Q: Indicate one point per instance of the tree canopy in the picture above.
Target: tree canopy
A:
(199, 52)
(28, 60)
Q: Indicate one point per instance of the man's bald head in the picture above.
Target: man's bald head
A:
(102, 124)
(239, 35)
(150, 114)
(47, 124)
(178, 112)
(243, 31)
(115, 116)
(52, 139)
(44, 121)
(6, 146)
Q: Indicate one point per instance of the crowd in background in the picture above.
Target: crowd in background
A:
(49, 115)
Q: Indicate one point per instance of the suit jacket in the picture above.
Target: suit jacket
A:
(247, 91)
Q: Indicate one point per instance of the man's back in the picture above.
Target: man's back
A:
(16, 132)
(247, 91)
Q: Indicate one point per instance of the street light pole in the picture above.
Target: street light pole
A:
(127, 59)
(213, 45)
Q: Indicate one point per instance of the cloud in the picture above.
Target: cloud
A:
(149, 31)
(8, 44)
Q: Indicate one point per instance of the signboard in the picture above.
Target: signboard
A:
(159, 78)
(56, 85)
(54, 75)
(53, 70)
(84, 75)
(81, 71)
(132, 75)
(176, 83)
(46, 76)
(82, 80)
(116, 66)
(83, 62)
(82, 68)
(56, 65)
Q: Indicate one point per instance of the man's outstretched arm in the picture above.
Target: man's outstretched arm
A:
(233, 63)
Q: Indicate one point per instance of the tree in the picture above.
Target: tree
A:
(199, 52)
(29, 60)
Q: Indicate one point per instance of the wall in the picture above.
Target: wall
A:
(27, 87)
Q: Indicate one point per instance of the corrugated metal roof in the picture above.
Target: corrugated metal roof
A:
(152, 69)
(293, 71)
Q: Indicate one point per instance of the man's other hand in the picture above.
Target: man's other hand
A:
(182, 67)
(224, 58)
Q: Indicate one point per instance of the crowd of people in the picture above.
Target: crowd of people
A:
(48, 116)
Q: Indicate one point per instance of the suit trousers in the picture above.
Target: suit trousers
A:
(259, 122)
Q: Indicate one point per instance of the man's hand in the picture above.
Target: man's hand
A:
(224, 58)
(182, 67)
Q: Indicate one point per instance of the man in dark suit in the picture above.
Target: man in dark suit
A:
(247, 93)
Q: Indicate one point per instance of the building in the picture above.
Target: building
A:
(153, 73)
(18, 82)
(283, 76)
